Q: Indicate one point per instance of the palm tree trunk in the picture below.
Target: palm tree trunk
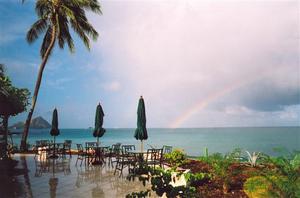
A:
(36, 90)
(5, 126)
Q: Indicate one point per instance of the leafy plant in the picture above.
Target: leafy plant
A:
(221, 164)
(176, 158)
(259, 187)
(160, 181)
(194, 179)
(252, 158)
(140, 194)
(286, 171)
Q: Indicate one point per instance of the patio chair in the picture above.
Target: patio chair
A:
(125, 159)
(67, 147)
(81, 155)
(154, 157)
(128, 147)
(114, 153)
(36, 148)
(166, 150)
(90, 150)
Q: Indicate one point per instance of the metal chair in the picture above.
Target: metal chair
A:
(67, 147)
(125, 159)
(81, 154)
(114, 153)
(154, 157)
(166, 150)
(128, 147)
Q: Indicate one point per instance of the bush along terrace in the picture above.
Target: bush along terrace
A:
(236, 174)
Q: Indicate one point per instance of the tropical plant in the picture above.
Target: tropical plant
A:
(55, 17)
(141, 194)
(221, 164)
(259, 187)
(252, 158)
(287, 173)
(161, 184)
(176, 158)
(12, 101)
(194, 179)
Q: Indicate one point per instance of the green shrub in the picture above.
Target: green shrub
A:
(258, 187)
(160, 182)
(286, 171)
(195, 179)
(176, 158)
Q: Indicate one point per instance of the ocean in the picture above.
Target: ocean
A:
(192, 140)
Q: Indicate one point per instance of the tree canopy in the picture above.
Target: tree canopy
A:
(13, 100)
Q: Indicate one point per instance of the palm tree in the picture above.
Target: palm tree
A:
(55, 17)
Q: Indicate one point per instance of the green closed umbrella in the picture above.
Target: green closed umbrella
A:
(54, 128)
(99, 131)
(141, 131)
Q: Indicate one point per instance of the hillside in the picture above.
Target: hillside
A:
(36, 123)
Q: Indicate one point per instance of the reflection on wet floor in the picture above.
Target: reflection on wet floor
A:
(61, 178)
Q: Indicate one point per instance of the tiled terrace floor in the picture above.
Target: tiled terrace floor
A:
(64, 179)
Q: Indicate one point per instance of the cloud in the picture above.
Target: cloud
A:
(203, 63)
(111, 86)
(58, 83)
(179, 53)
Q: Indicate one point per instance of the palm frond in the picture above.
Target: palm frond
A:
(92, 5)
(64, 33)
(43, 8)
(36, 29)
(46, 41)
(1, 68)
(80, 33)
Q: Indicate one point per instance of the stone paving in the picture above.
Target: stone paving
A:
(62, 178)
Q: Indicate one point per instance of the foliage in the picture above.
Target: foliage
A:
(220, 165)
(252, 158)
(194, 179)
(258, 187)
(60, 16)
(55, 19)
(176, 158)
(287, 173)
(140, 194)
(160, 181)
(14, 99)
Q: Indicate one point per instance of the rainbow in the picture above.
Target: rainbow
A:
(212, 97)
(198, 107)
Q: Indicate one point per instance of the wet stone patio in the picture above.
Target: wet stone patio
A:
(62, 178)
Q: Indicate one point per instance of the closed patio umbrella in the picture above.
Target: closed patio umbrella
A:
(141, 131)
(99, 131)
(54, 129)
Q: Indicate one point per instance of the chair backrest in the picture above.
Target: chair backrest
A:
(68, 142)
(126, 148)
(44, 142)
(90, 145)
(37, 143)
(116, 147)
(154, 154)
(79, 148)
(167, 149)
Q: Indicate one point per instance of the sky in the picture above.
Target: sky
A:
(196, 63)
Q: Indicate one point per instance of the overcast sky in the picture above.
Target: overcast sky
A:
(197, 64)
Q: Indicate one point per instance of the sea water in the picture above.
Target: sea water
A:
(192, 140)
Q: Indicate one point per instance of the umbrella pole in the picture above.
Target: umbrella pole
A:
(97, 141)
(142, 146)
(54, 153)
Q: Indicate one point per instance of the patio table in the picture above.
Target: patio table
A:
(98, 153)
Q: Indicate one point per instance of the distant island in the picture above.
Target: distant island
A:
(36, 123)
